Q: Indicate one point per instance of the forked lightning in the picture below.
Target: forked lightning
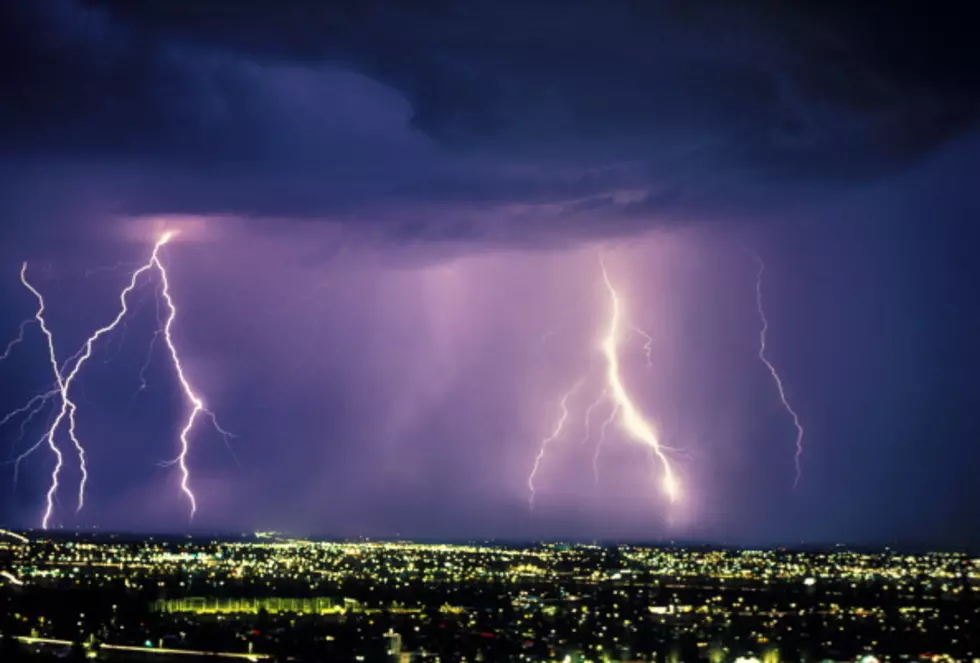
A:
(623, 410)
(65, 379)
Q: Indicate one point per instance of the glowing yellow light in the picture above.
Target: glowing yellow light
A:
(14, 535)
(11, 577)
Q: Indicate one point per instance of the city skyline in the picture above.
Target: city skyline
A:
(272, 596)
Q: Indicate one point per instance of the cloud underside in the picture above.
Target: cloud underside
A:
(474, 119)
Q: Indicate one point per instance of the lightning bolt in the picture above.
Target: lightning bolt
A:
(772, 369)
(17, 340)
(559, 426)
(32, 408)
(146, 364)
(623, 408)
(197, 404)
(65, 379)
(68, 407)
(588, 414)
(62, 390)
(647, 344)
(23, 431)
(149, 352)
(630, 419)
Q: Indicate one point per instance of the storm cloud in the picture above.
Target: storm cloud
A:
(517, 120)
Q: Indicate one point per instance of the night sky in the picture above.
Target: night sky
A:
(391, 218)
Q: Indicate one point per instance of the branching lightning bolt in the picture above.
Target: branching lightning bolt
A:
(622, 408)
(32, 408)
(64, 380)
(23, 431)
(146, 364)
(149, 352)
(588, 414)
(772, 369)
(68, 407)
(197, 404)
(62, 389)
(559, 427)
(17, 340)
(630, 419)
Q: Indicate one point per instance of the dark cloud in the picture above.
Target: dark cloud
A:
(585, 108)
(806, 77)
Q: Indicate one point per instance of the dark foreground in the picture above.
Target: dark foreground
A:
(272, 598)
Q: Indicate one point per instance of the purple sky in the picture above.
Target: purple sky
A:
(388, 272)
